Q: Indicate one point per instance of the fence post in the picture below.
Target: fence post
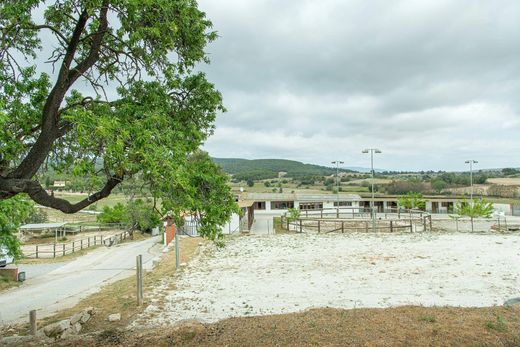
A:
(319, 226)
(63, 249)
(411, 226)
(81, 244)
(391, 226)
(36, 251)
(54, 250)
(139, 276)
(300, 225)
(430, 222)
(337, 213)
(32, 321)
(101, 239)
(177, 251)
(366, 226)
(342, 227)
(88, 240)
(73, 244)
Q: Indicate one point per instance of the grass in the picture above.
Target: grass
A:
(400, 326)
(7, 283)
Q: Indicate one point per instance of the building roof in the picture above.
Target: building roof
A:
(302, 197)
(245, 203)
(43, 226)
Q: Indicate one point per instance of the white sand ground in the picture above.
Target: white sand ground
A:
(260, 275)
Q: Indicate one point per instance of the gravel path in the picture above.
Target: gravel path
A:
(260, 275)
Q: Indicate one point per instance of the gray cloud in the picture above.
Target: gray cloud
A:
(430, 82)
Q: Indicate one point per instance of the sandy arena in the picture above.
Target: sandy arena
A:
(258, 275)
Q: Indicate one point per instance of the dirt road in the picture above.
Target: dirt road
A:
(61, 287)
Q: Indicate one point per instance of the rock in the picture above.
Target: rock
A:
(89, 310)
(114, 317)
(56, 329)
(85, 317)
(76, 318)
(77, 327)
(512, 302)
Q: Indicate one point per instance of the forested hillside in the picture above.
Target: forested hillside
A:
(269, 168)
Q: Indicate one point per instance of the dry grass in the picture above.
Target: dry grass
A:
(505, 181)
(7, 283)
(402, 326)
(120, 296)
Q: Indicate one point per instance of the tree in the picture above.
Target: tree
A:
(144, 109)
(13, 213)
(479, 208)
(250, 183)
(204, 193)
(412, 200)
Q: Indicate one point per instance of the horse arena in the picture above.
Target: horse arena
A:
(358, 219)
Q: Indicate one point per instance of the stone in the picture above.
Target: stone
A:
(56, 329)
(114, 317)
(77, 327)
(89, 310)
(85, 317)
(76, 318)
(512, 302)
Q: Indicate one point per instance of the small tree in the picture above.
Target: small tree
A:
(412, 200)
(293, 214)
(250, 182)
(13, 213)
(479, 208)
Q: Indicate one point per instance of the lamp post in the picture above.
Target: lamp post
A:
(337, 162)
(372, 151)
(471, 162)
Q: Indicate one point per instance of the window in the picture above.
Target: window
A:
(311, 205)
(282, 205)
(342, 203)
(259, 205)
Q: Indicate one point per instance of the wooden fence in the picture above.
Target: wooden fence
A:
(54, 250)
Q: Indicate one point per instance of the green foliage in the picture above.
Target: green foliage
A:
(412, 200)
(438, 185)
(137, 214)
(509, 171)
(267, 184)
(140, 215)
(479, 208)
(36, 215)
(115, 214)
(162, 110)
(250, 183)
(13, 213)
(405, 187)
(260, 169)
(293, 214)
(203, 192)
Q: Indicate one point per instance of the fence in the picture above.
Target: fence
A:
(358, 219)
(61, 249)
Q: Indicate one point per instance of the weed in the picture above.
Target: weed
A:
(498, 325)
(429, 319)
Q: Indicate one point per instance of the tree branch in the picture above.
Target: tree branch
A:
(11, 187)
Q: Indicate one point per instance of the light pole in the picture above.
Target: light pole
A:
(337, 162)
(372, 151)
(471, 162)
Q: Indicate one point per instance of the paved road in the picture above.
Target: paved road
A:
(62, 287)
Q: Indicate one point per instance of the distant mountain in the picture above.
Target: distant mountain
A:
(269, 168)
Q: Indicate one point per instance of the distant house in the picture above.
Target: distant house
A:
(60, 184)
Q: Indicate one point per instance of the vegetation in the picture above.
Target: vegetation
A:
(259, 169)
(412, 200)
(478, 208)
(161, 113)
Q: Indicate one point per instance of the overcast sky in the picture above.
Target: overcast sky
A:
(430, 83)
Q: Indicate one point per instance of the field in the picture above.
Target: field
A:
(505, 181)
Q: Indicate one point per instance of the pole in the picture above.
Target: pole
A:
(139, 278)
(177, 251)
(471, 180)
(372, 188)
(32, 321)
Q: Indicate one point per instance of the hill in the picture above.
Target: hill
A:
(269, 168)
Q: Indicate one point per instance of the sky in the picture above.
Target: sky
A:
(430, 83)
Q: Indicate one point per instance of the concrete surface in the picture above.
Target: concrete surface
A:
(49, 289)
